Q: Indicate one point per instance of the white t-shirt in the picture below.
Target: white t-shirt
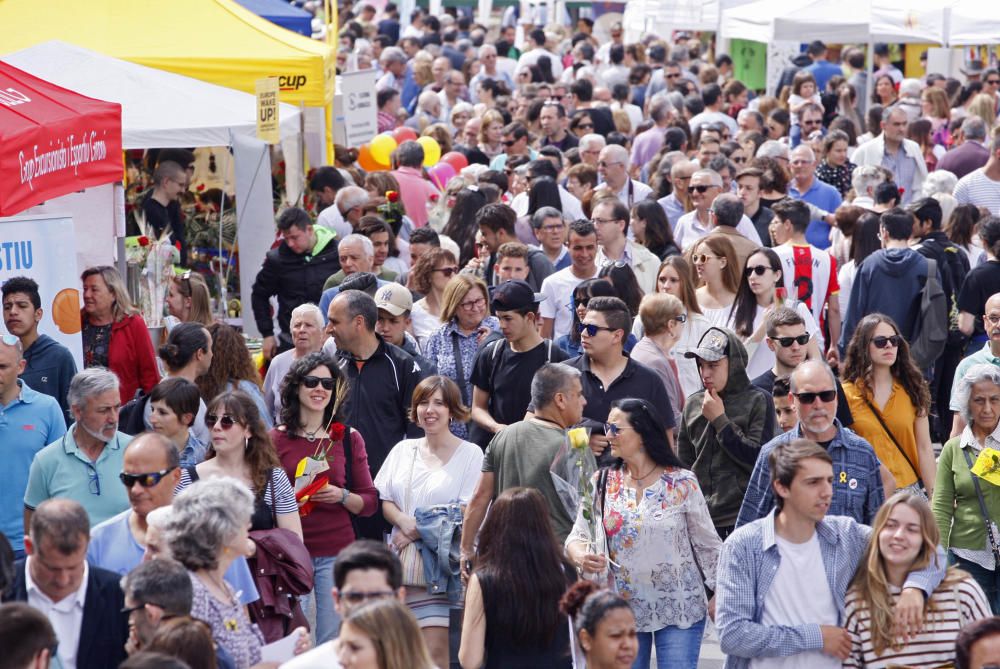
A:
(454, 482)
(761, 356)
(978, 189)
(557, 305)
(323, 656)
(424, 323)
(799, 595)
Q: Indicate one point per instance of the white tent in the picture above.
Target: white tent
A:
(973, 23)
(838, 22)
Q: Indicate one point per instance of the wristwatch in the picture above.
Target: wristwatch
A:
(346, 492)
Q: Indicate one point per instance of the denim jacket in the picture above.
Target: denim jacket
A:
(440, 528)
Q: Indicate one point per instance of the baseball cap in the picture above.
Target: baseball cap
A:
(395, 299)
(714, 345)
(514, 295)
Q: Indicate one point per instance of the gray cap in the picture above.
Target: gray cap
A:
(714, 345)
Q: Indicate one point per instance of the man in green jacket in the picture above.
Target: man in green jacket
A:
(724, 425)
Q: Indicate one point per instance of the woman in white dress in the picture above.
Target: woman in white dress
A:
(718, 272)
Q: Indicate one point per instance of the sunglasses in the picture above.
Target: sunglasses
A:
(681, 318)
(612, 430)
(882, 342)
(586, 126)
(756, 269)
(145, 480)
(993, 81)
(823, 395)
(701, 189)
(313, 381)
(448, 271)
(785, 342)
(592, 329)
(509, 142)
(702, 258)
(227, 421)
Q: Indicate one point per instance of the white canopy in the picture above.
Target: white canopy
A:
(159, 109)
(841, 21)
(974, 22)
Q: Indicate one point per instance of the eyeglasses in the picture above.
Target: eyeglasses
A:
(591, 330)
(604, 163)
(478, 303)
(823, 395)
(93, 479)
(701, 189)
(145, 480)
(553, 228)
(785, 342)
(448, 271)
(612, 430)
(993, 81)
(992, 318)
(604, 221)
(756, 269)
(702, 258)
(360, 597)
(882, 342)
(313, 381)
(227, 421)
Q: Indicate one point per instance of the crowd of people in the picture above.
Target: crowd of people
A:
(775, 320)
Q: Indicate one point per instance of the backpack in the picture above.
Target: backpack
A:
(130, 416)
(930, 339)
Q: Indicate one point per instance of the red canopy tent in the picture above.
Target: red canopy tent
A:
(53, 141)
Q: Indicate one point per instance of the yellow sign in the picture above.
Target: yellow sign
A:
(267, 110)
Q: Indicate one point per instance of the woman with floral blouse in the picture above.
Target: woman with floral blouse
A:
(656, 539)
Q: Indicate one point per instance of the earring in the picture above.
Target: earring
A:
(246, 443)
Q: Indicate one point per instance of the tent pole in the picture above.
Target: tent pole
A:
(870, 68)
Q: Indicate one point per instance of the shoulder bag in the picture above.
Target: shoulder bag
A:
(994, 543)
(878, 416)
(409, 555)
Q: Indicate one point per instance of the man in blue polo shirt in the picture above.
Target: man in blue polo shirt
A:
(805, 186)
(150, 472)
(28, 421)
(84, 464)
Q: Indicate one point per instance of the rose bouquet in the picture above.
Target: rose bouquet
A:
(150, 260)
(312, 472)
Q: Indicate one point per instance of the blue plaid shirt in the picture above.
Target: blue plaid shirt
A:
(857, 483)
(747, 566)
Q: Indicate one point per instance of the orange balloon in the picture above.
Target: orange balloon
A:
(367, 161)
(66, 310)
(403, 134)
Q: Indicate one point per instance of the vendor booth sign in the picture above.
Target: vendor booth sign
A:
(355, 108)
(43, 248)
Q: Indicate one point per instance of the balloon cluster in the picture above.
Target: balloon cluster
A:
(375, 156)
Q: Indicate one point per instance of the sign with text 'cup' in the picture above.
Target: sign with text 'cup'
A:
(267, 110)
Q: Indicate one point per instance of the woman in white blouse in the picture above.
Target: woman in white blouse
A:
(437, 469)
(656, 536)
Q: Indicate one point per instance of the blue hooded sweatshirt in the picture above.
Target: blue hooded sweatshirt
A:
(49, 367)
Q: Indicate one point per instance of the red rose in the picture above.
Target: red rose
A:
(200, 188)
(435, 197)
(337, 432)
(143, 240)
(177, 245)
(392, 196)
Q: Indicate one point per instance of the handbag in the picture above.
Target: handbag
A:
(409, 555)
(994, 543)
(922, 489)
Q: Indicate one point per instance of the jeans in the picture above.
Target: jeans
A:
(988, 580)
(675, 648)
(440, 528)
(321, 600)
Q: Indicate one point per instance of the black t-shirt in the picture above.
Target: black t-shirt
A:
(506, 376)
(159, 217)
(569, 141)
(981, 282)
(766, 383)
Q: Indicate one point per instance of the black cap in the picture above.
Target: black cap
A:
(366, 282)
(514, 295)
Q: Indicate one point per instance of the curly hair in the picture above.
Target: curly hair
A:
(231, 362)
(205, 517)
(259, 453)
(858, 364)
(290, 405)
(420, 275)
(775, 177)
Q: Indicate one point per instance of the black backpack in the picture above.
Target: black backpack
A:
(130, 419)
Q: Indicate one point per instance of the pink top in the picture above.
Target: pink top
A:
(415, 191)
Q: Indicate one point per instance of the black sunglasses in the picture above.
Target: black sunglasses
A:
(145, 480)
(882, 342)
(313, 381)
(227, 421)
(592, 329)
(785, 342)
(701, 189)
(509, 142)
(823, 395)
(448, 271)
(756, 269)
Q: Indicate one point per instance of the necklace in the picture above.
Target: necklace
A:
(640, 479)
(311, 436)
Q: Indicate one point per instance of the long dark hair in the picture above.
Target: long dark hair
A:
(544, 192)
(522, 566)
(865, 240)
(961, 226)
(461, 226)
(858, 367)
(744, 309)
(231, 362)
(301, 367)
(585, 290)
(647, 422)
(259, 453)
(658, 235)
(625, 284)
(183, 342)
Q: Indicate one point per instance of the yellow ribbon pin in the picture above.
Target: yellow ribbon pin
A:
(843, 477)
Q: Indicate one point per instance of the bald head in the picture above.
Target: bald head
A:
(155, 448)
(811, 372)
(60, 523)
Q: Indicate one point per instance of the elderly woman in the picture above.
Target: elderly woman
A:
(307, 337)
(466, 323)
(207, 530)
(663, 318)
(114, 334)
(961, 499)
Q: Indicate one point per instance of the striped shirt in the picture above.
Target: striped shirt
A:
(978, 189)
(953, 605)
(282, 489)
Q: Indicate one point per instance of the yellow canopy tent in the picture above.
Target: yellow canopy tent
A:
(218, 41)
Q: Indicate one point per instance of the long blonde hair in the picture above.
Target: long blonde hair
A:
(393, 632)
(870, 583)
(192, 285)
(458, 287)
(123, 306)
